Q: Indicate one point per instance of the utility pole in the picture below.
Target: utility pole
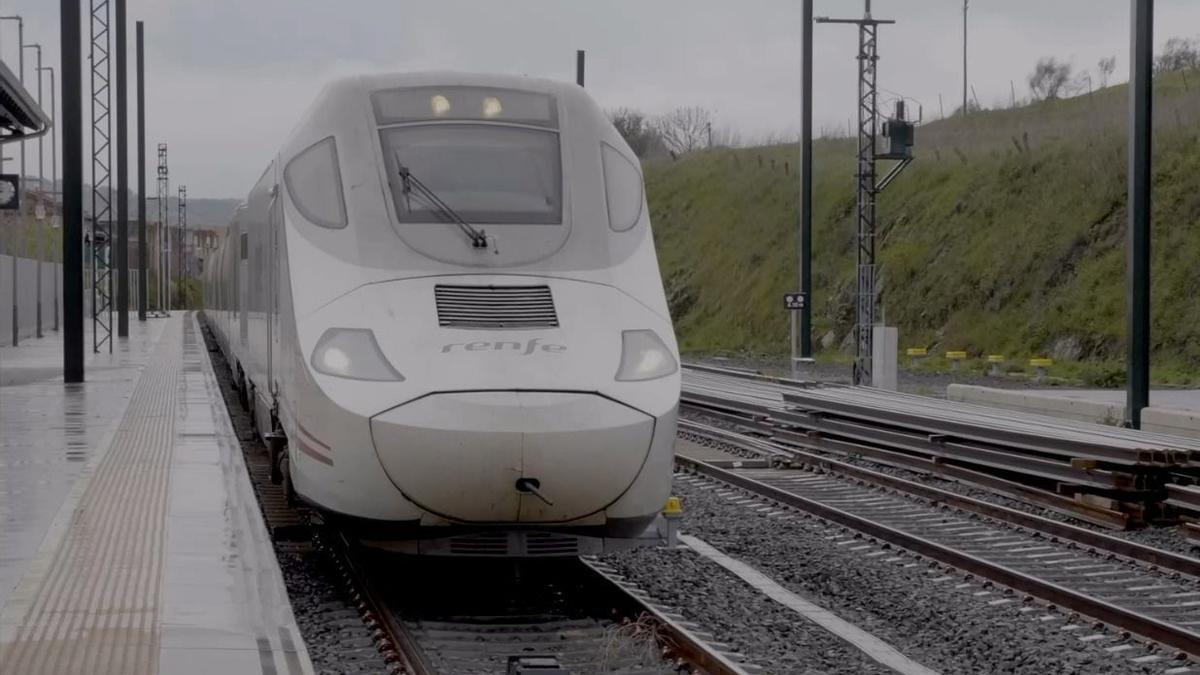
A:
(805, 252)
(143, 275)
(164, 231)
(72, 240)
(122, 176)
(868, 188)
(181, 201)
(1141, 121)
(579, 57)
(964, 108)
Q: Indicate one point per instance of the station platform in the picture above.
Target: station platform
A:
(1171, 411)
(130, 537)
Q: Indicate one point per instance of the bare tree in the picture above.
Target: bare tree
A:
(684, 129)
(1106, 67)
(637, 130)
(1048, 78)
(1178, 54)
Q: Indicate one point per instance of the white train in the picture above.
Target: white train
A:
(443, 304)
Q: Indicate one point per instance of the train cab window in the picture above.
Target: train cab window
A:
(622, 189)
(491, 154)
(315, 185)
(488, 174)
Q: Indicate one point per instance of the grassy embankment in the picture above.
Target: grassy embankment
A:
(1006, 236)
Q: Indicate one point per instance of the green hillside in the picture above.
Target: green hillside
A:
(1005, 236)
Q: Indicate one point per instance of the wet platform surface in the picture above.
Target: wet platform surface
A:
(130, 538)
(1176, 399)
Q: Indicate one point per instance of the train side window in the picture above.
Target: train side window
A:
(244, 242)
(315, 185)
(622, 189)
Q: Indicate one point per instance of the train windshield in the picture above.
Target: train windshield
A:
(487, 173)
(491, 154)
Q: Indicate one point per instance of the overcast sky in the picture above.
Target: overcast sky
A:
(227, 79)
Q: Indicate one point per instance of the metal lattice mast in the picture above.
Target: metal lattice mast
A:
(868, 187)
(164, 236)
(102, 292)
(868, 127)
(182, 221)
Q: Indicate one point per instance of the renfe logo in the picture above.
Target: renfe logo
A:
(501, 345)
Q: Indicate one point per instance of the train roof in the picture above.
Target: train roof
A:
(370, 83)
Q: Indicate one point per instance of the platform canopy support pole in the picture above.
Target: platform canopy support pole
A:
(122, 177)
(1141, 120)
(143, 262)
(72, 241)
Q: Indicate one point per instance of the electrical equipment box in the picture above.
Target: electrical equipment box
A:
(900, 134)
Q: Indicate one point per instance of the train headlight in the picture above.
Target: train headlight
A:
(644, 356)
(353, 353)
(492, 107)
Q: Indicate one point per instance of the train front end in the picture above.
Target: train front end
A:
(502, 378)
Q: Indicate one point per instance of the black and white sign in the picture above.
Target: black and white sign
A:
(794, 301)
(9, 194)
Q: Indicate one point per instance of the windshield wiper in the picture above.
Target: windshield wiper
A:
(411, 183)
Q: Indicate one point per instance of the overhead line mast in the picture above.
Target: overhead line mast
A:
(868, 188)
(102, 244)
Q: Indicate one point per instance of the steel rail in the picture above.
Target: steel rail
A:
(671, 633)
(408, 652)
(748, 374)
(951, 449)
(1045, 426)
(1064, 447)
(927, 464)
(1052, 501)
(1097, 540)
(689, 646)
(1116, 615)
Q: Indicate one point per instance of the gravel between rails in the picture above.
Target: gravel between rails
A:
(933, 622)
(1169, 538)
(337, 640)
(769, 634)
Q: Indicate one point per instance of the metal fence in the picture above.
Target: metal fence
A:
(29, 306)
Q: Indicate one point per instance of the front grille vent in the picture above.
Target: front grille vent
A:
(495, 307)
(532, 544)
(550, 544)
(486, 544)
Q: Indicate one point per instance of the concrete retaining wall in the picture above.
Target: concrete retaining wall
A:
(1159, 420)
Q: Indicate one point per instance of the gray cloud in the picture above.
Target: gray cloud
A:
(228, 78)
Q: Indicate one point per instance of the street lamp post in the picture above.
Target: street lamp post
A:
(21, 77)
(53, 169)
(16, 331)
(41, 186)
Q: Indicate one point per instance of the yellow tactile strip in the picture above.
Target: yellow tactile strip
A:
(96, 609)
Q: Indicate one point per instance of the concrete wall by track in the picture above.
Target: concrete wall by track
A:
(26, 295)
(1161, 420)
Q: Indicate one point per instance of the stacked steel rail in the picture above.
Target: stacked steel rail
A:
(1106, 475)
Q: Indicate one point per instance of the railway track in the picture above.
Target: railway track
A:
(541, 617)
(551, 617)
(1115, 478)
(1152, 593)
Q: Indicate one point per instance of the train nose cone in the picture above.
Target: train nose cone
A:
(463, 455)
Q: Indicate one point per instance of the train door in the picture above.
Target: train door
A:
(243, 289)
(275, 223)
